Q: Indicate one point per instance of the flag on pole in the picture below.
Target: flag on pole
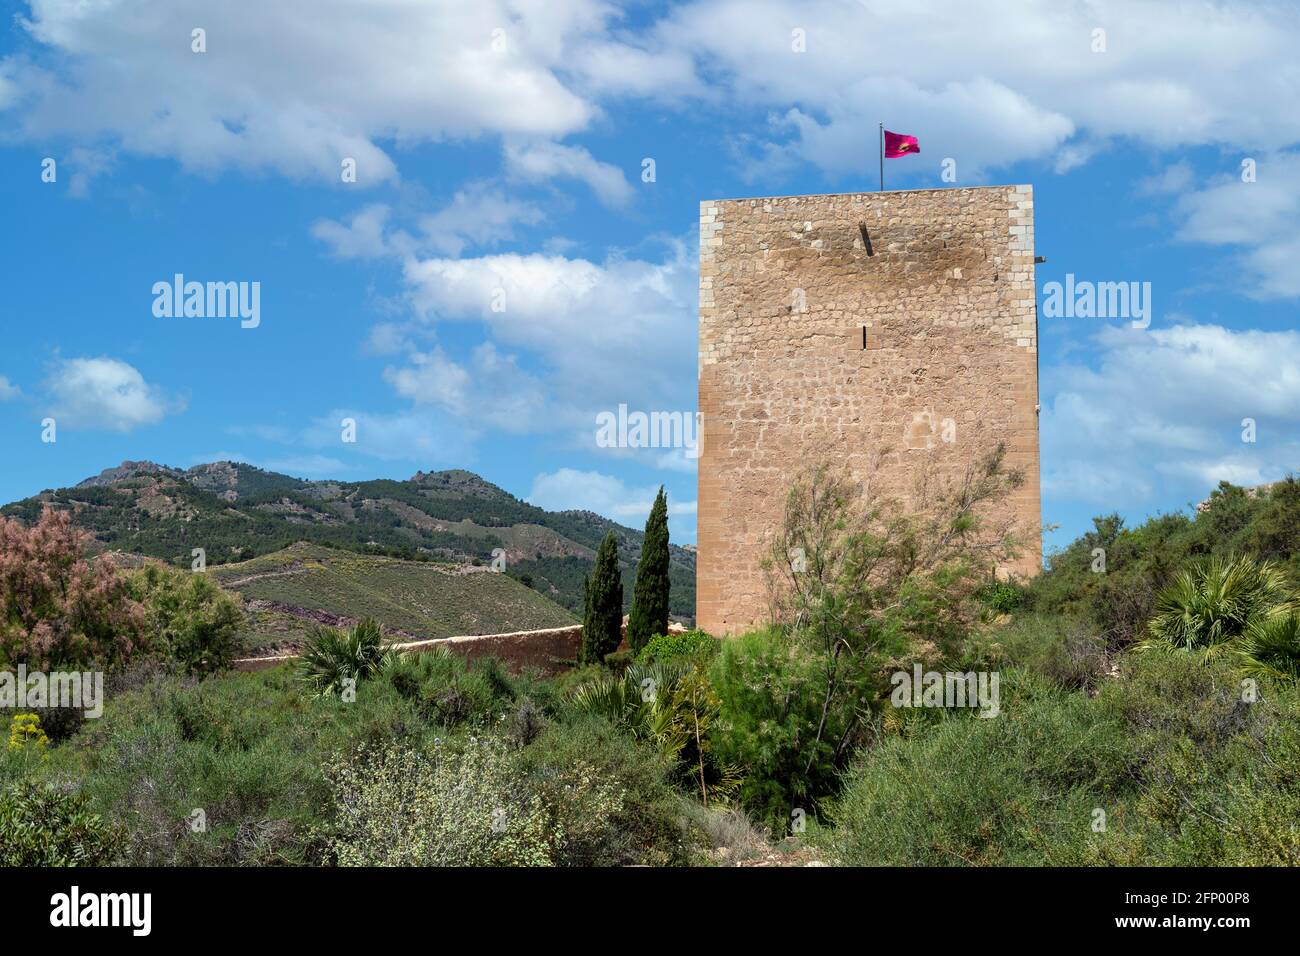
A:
(900, 144)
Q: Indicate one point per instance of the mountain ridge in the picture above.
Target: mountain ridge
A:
(236, 511)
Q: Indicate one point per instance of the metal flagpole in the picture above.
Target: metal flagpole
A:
(882, 157)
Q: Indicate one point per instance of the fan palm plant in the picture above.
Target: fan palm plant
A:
(1271, 648)
(672, 706)
(332, 657)
(1209, 607)
(645, 700)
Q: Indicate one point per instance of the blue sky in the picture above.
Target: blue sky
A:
(500, 146)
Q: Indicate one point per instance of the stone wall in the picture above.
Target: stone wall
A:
(551, 650)
(892, 335)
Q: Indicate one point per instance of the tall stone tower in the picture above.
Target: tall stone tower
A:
(886, 333)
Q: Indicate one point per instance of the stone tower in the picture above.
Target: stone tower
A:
(888, 333)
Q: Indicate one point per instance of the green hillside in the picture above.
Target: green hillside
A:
(286, 590)
(236, 512)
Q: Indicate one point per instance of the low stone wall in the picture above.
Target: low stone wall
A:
(551, 649)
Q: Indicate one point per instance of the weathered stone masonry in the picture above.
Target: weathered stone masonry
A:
(939, 287)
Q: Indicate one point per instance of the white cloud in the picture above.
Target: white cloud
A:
(490, 390)
(8, 390)
(8, 88)
(306, 466)
(587, 324)
(1172, 180)
(1167, 406)
(298, 85)
(85, 165)
(538, 162)
(478, 215)
(1257, 217)
(104, 393)
(978, 122)
(362, 237)
(991, 83)
(562, 334)
(569, 489)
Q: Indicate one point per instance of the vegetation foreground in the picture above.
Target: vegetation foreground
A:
(1148, 709)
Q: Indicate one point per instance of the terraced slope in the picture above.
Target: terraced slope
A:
(283, 592)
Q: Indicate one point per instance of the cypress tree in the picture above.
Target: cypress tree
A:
(649, 615)
(602, 618)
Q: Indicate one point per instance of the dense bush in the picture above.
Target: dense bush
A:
(246, 751)
(1185, 771)
(447, 690)
(46, 826)
(1002, 596)
(586, 797)
(1067, 650)
(1140, 562)
(243, 769)
(189, 619)
(647, 827)
(680, 646)
(440, 806)
(771, 705)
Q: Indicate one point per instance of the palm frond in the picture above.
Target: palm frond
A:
(331, 657)
(1271, 648)
(1211, 605)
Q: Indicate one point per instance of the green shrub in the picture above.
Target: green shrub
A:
(41, 825)
(645, 700)
(580, 796)
(673, 707)
(245, 749)
(770, 688)
(1066, 649)
(680, 645)
(1002, 596)
(438, 806)
(647, 827)
(1184, 769)
(446, 689)
(966, 791)
(619, 661)
(189, 619)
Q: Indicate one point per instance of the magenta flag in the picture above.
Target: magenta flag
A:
(900, 144)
